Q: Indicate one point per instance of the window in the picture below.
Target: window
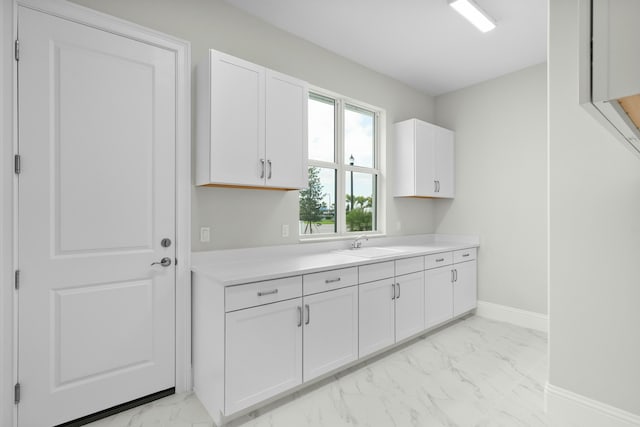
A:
(343, 168)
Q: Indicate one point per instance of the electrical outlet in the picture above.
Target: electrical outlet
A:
(205, 234)
(285, 230)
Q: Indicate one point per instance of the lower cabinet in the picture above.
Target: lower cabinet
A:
(330, 331)
(377, 315)
(263, 352)
(464, 287)
(450, 290)
(409, 301)
(390, 311)
(438, 296)
(254, 341)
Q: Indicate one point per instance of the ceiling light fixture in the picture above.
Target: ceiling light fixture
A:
(472, 12)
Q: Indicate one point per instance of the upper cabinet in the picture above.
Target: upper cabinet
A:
(251, 125)
(424, 160)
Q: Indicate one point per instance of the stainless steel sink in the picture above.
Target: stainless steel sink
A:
(369, 252)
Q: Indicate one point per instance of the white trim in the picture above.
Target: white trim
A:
(567, 409)
(182, 49)
(516, 316)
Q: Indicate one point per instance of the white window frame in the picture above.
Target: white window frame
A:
(341, 166)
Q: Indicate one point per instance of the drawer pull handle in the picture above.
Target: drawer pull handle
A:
(306, 306)
(439, 259)
(465, 255)
(271, 292)
(337, 279)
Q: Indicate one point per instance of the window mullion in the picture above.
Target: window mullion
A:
(341, 219)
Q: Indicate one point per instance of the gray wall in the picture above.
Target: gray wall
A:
(594, 239)
(243, 218)
(501, 183)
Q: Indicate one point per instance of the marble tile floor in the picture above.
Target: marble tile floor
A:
(476, 372)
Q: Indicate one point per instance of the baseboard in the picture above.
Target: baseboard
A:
(503, 313)
(568, 409)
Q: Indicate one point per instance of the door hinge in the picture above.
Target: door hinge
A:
(17, 279)
(16, 393)
(17, 163)
(16, 49)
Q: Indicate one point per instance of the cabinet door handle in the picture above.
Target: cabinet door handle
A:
(306, 306)
(438, 186)
(398, 285)
(337, 279)
(271, 292)
(393, 291)
(455, 274)
(452, 276)
(435, 186)
(261, 168)
(270, 169)
(299, 316)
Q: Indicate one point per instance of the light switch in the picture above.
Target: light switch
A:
(205, 234)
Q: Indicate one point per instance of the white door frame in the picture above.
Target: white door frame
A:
(8, 183)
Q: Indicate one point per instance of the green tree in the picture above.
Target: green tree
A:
(311, 201)
(360, 217)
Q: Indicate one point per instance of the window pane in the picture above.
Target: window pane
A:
(318, 202)
(359, 137)
(360, 201)
(321, 128)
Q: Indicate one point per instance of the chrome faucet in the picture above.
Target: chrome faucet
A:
(357, 242)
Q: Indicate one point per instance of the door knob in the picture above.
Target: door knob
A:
(165, 262)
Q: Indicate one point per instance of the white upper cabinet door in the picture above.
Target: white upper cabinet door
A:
(236, 122)
(444, 155)
(438, 303)
(409, 305)
(425, 170)
(263, 353)
(464, 287)
(377, 316)
(251, 125)
(330, 331)
(286, 131)
(424, 160)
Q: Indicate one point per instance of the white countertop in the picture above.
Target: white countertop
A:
(237, 266)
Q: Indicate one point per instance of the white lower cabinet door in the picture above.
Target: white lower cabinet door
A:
(465, 294)
(263, 353)
(377, 316)
(409, 305)
(438, 296)
(330, 331)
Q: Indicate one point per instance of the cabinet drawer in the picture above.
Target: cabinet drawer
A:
(409, 265)
(328, 280)
(378, 271)
(438, 260)
(464, 255)
(258, 293)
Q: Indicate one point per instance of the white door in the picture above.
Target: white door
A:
(409, 305)
(263, 353)
(377, 316)
(424, 158)
(445, 162)
(465, 294)
(330, 331)
(96, 197)
(438, 291)
(286, 131)
(237, 121)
